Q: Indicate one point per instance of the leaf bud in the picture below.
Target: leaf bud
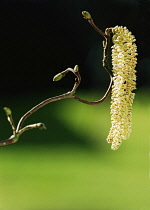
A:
(57, 77)
(7, 111)
(76, 68)
(41, 126)
(86, 15)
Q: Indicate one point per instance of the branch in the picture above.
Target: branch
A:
(17, 131)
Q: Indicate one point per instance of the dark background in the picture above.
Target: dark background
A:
(39, 38)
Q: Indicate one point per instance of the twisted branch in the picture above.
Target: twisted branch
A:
(17, 131)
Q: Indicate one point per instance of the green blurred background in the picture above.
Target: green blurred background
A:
(70, 166)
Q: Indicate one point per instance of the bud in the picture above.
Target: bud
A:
(76, 68)
(57, 77)
(7, 111)
(86, 15)
(41, 126)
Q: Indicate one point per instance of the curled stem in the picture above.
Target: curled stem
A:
(100, 100)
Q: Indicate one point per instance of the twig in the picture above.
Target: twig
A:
(19, 130)
(106, 43)
(100, 100)
(56, 98)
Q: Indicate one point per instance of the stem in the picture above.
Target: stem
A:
(12, 124)
(28, 127)
(56, 98)
(6, 142)
(11, 140)
(100, 100)
(40, 105)
(106, 44)
(97, 29)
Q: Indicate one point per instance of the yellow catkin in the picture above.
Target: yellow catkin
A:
(124, 52)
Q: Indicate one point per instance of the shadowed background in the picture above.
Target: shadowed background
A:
(70, 165)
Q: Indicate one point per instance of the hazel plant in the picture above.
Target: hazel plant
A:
(122, 82)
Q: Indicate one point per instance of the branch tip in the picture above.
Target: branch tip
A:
(86, 15)
(58, 77)
(41, 126)
(7, 111)
(76, 68)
